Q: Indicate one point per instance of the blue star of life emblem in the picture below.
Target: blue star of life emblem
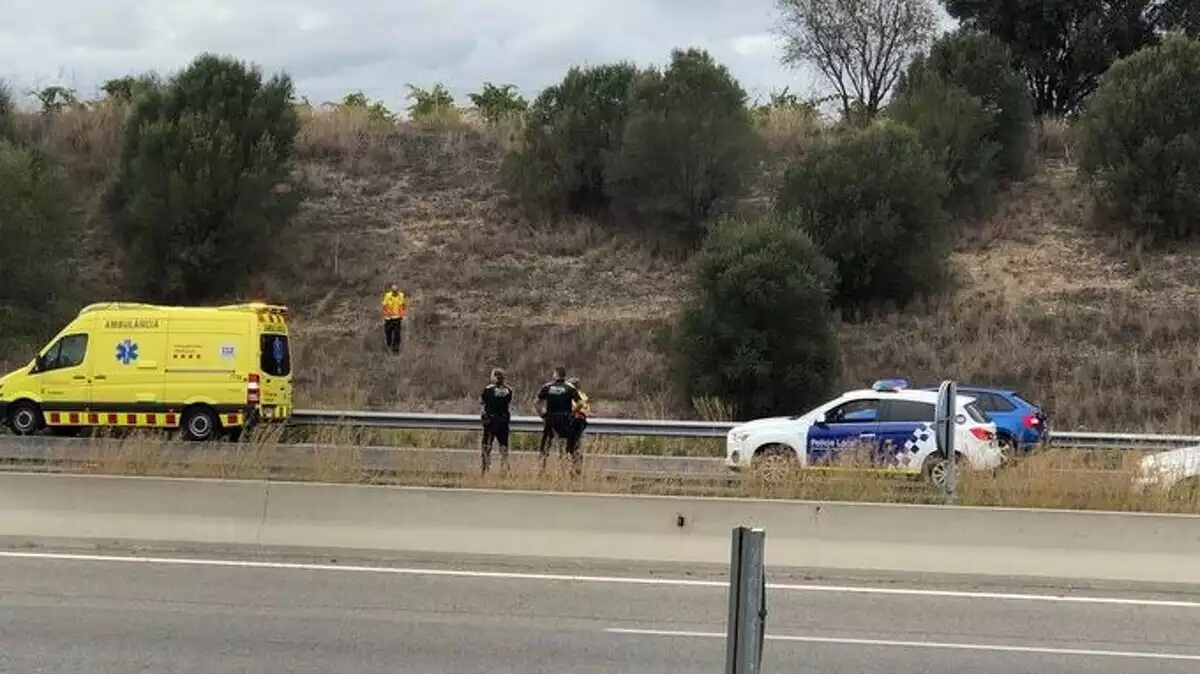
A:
(127, 352)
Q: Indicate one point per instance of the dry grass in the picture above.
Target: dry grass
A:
(1105, 336)
(1056, 479)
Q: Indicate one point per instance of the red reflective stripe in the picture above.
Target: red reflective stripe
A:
(131, 419)
(231, 419)
(73, 417)
(93, 418)
(151, 419)
(170, 419)
(55, 417)
(112, 419)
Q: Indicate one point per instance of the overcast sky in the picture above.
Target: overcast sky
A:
(377, 46)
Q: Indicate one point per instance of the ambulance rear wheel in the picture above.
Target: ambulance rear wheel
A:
(25, 418)
(200, 424)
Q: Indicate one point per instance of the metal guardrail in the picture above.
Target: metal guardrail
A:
(71, 452)
(676, 429)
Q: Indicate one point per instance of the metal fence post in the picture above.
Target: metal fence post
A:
(747, 602)
(947, 411)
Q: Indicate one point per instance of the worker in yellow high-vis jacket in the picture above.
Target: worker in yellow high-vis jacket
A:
(395, 308)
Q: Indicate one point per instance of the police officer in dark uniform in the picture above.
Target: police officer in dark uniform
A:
(555, 401)
(496, 400)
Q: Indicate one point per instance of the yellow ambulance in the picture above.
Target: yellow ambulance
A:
(205, 371)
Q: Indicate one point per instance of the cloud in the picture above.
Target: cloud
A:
(331, 47)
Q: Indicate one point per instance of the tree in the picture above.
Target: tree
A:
(495, 103)
(202, 193)
(376, 110)
(573, 128)
(428, 103)
(55, 98)
(982, 65)
(872, 200)
(8, 111)
(1182, 15)
(1139, 142)
(687, 150)
(972, 111)
(955, 128)
(39, 234)
(860, 47)
(1063, 46)
(758, 332)
(126, 89)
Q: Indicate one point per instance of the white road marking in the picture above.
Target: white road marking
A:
(996, 648)
(619, 580)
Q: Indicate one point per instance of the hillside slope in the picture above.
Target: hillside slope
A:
(1105, 336)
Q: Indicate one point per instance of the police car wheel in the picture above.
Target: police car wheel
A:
(199, 424)
(25, 418)
(773, 462)
(936, 469)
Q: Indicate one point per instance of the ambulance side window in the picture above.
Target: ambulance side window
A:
(67, 352)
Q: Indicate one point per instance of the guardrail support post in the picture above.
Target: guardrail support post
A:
(947, 406)
(747, 602)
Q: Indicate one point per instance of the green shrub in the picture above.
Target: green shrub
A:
(872, 200)
(8, 110)
(574, 127)
(202, 193)
(954, 127)
(496, 103)
(38, 233)
(1139, 142)
(982, 65)
(758, 332)
(688, 148)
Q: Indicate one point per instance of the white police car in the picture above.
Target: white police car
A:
(892, 424)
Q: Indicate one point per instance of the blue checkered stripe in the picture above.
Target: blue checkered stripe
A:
(916, 443)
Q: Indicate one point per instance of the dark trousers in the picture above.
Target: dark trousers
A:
(562, 426)
(495, 430)
(393, 333)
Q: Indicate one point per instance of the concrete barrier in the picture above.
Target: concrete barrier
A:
(845, 536)
(114, 508)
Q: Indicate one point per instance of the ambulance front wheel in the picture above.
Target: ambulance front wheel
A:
(200, 424)
(25, 418)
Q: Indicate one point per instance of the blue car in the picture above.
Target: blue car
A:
(1020, 425)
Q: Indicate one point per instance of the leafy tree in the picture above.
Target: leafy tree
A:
(495, 103)
(758, 332)
(573, 128)
(125, 89)
(1063, 46)
(954, 127)
(55, 98)
(38, 232)
(375, 110)
(8, 111)
(202, 194)
(687, 149)
(429, 103)
(1181, 15)
(860, 47)
(1139, 141)
(972, 111)
(872, 200)
(982, 65)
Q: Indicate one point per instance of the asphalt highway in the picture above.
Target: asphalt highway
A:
(85, 612)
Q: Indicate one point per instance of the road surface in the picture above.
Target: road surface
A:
(86, 612)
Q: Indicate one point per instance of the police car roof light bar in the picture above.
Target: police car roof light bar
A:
(889, 385)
